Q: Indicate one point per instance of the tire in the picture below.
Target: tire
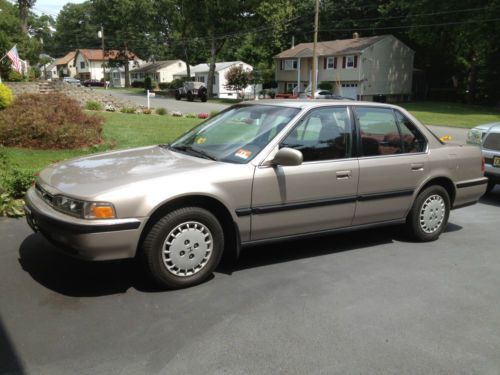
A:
(177, 95)
(190, 96)
(490, 187)
(204, 98)
(429, 214)
(187, 232)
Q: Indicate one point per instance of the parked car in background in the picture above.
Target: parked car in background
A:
(324, 94)
(191, 91)
(488, 137)
(93, 82)
(72, 81)
(255, 173)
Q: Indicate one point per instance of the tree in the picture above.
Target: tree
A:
(128, 24)
(76, 27)
(238, 78)
(24, 8)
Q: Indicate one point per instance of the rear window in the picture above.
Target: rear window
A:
(492, 141)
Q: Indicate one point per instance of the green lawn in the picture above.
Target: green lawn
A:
(452, 114)
(120, 129)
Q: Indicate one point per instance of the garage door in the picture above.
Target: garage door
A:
(349, 90)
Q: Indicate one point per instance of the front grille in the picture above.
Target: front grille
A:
(44, 194)
(492, 142)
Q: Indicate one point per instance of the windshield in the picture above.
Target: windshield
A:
(236, 135)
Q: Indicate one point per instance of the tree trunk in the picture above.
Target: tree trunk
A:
(23, 16)
(472, 80)
(211, 71)
(186, 57)
(127, 76)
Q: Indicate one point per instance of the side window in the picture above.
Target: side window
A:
(324, 134)
(413, 140)
(379, 131)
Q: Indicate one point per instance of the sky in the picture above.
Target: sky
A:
(52, 7)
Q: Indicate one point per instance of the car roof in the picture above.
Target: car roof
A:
(306, 104)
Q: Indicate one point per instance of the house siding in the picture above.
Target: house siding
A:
(388, 68)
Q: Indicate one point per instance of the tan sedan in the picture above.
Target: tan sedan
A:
(254, 174)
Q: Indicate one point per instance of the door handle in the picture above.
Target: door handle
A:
(417, 167)
(343, 175)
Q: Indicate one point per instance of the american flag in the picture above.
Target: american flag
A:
(16, 61)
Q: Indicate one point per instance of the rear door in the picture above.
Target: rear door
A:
(319, 194)
(393, 161)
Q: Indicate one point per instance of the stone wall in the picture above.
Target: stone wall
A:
(80, 94)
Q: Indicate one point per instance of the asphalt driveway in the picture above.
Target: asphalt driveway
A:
(360, 303)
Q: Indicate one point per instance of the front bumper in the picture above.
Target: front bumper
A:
(84, 239)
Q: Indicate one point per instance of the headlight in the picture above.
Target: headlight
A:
(82, 209)
(474, 136)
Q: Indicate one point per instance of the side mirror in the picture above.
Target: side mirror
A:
(288, 157)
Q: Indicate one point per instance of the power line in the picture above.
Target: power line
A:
(415, 26)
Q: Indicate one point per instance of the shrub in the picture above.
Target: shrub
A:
(161, 111)
(93, 106)
(190, 115)
(325, 85)
(15, 76)
(148, 84)
(10, 206)
(164, 85)
(5, 96)
(52, 121)
(214, 113)
(147, 111)
(128, 110)
(137, 84)
(16, 182)
(202, 115)
(272, 94)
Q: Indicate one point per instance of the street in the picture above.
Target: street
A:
(170, 104)
(366, 302)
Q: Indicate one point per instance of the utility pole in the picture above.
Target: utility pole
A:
(315, 60)
(101, 35)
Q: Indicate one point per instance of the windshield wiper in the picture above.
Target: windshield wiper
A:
(193, 151)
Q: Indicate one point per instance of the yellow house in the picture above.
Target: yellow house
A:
(358, 68)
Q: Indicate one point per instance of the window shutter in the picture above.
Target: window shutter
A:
(355, 61)
(343, 62)
(334, 63)
(325, 62)
(281, 64)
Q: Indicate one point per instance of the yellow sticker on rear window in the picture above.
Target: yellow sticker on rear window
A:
(242, 153)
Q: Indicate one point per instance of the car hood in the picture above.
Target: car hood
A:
(90, 176)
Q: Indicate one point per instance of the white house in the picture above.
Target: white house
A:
(221, 68)
(159, 71)
(89, 62)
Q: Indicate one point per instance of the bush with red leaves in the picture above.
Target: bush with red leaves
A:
(48, 121)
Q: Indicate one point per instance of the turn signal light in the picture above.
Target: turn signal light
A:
(101, 211)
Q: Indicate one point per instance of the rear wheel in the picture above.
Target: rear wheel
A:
(177, 95)
(190, 96)
(184, 247)
(429, 215)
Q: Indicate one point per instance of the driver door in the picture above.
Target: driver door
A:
(319, 194)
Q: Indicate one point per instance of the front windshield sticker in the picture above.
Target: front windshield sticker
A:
(200, 140)
(242, 153)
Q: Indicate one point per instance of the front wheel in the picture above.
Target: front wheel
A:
(184, 247)
(429, 215)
